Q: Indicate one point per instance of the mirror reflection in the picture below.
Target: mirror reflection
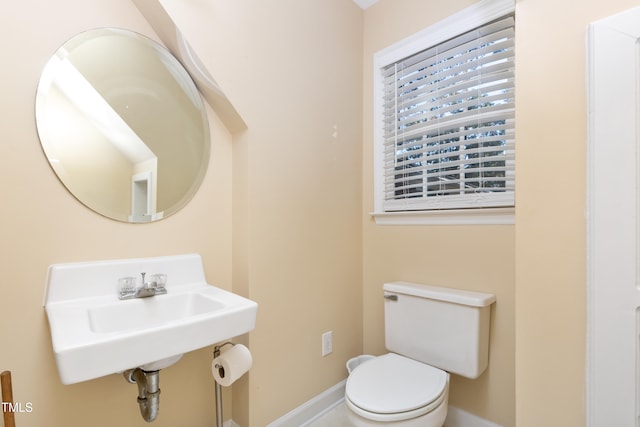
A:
(122, 125)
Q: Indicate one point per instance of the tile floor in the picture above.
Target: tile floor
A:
(336, 417)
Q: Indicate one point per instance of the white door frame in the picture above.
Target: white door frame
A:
(142, 196)
(613, 215)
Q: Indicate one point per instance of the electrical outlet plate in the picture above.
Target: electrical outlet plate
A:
(327, 343)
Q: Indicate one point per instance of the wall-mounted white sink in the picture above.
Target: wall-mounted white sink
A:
(94, 333)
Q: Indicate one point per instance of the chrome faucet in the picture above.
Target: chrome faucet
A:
(155, 286)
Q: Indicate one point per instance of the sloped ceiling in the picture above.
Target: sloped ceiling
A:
(157, 16)
(173, 39)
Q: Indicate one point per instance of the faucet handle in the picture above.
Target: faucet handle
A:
(126, 285)
(160, 280)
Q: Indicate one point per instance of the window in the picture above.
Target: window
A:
(445, 115)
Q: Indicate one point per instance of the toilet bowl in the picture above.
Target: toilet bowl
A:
(397, 391)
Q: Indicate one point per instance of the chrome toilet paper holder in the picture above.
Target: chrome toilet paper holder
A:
(216, 352)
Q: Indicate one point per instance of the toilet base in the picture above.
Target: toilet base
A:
(434, 418)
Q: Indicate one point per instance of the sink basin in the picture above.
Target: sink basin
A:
(145, 313)
(94, 333)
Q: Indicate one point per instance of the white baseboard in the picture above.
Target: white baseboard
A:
(312, 409)
(230, 423)
(328, 399)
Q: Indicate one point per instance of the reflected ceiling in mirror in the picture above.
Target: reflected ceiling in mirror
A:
(123, 125)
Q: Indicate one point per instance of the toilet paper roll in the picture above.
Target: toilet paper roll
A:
(231, 365)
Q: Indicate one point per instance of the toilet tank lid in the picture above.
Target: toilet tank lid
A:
(457, 296)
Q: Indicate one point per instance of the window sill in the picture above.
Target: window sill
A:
(494, 216)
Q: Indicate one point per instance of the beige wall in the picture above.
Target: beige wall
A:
(538, 266)
(537, 269)
(550, 230)
(478, 258)
(41, 224)
(293, 73)
(293, 70)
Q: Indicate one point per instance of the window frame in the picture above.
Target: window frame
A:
(469, 18)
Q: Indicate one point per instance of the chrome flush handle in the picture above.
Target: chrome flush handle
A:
(391, 297)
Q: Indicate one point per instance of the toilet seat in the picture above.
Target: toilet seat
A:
(393, 388)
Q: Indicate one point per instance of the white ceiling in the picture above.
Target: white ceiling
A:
(364, 3)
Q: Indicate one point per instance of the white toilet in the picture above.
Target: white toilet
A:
(430, 331)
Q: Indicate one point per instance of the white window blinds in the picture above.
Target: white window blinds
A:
(448, 113)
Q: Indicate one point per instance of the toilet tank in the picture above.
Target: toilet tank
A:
(442, 327)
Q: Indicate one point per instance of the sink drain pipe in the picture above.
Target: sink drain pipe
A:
(148, 391)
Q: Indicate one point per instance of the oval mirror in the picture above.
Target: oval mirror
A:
(122, 125)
